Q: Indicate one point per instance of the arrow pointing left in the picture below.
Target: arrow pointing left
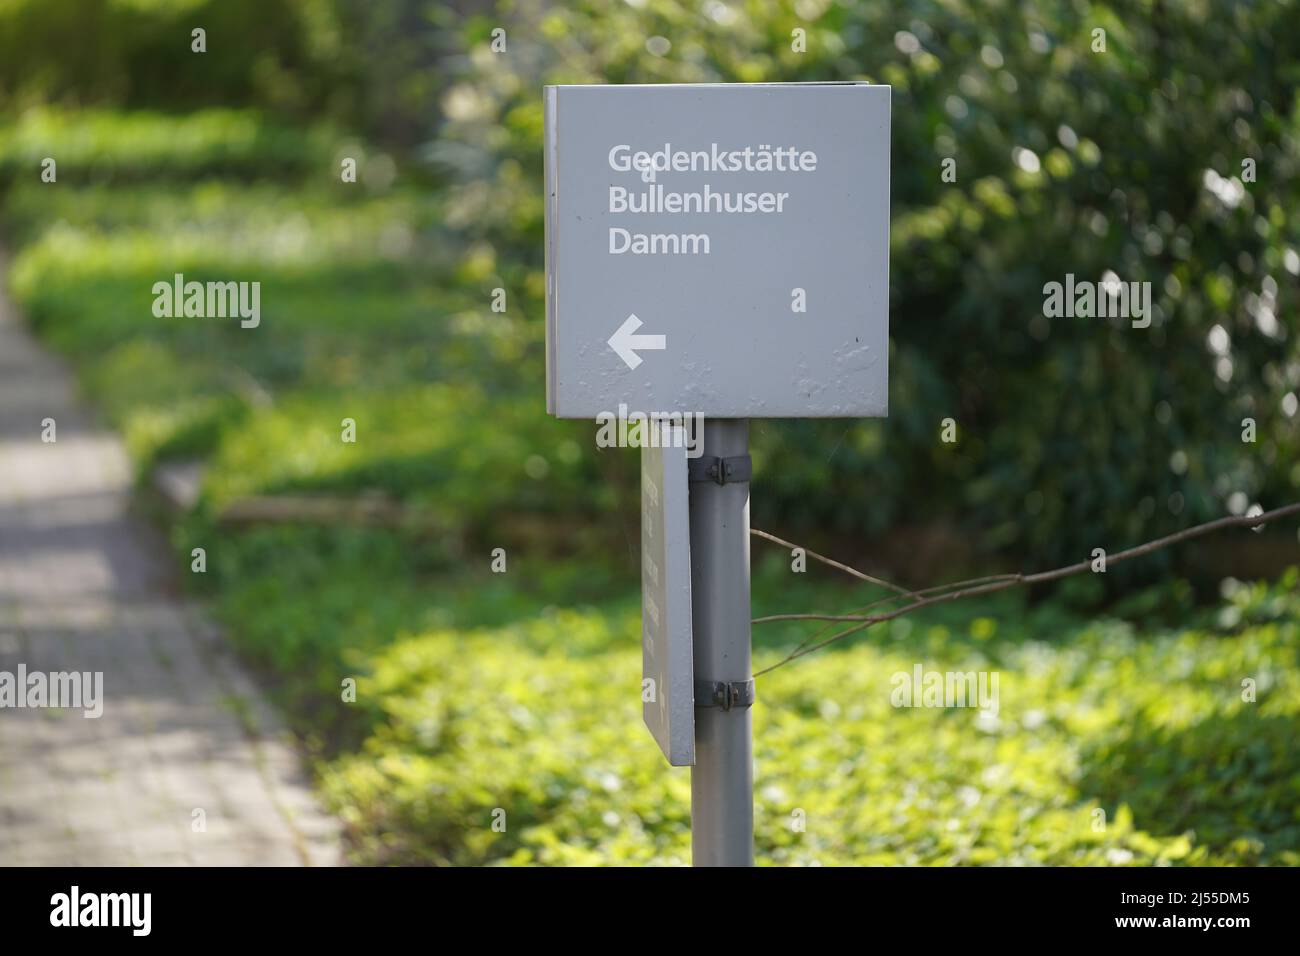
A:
(625, 343)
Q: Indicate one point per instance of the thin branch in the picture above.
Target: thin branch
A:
(856, 615)
(989, 585)
(832, 563)
(854, 572)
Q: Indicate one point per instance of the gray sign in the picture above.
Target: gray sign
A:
(718, 249)
(667, 668)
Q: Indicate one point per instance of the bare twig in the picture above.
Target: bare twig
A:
(857, 614)
(989, 585)
(831, 562)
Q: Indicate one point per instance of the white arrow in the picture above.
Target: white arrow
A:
(625, 344)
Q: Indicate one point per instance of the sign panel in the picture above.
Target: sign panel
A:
(720, 249)
(667, 667)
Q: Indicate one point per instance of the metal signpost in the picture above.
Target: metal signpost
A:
(718, 252)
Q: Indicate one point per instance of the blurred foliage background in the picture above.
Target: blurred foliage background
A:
(1073, 433)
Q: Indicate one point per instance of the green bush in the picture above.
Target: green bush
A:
(290, 55)
(1073, 433)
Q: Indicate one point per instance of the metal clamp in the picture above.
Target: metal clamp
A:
(725, 694)
(735, 470)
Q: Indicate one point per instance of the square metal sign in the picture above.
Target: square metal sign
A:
(667, 645)
(720, 249)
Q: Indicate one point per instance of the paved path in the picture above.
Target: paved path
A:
(87, 586)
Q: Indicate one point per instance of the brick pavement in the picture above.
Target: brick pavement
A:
(86, 585)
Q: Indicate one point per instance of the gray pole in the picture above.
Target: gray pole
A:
(722, 779)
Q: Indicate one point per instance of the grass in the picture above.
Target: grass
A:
(109, 146)
(540, 718)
